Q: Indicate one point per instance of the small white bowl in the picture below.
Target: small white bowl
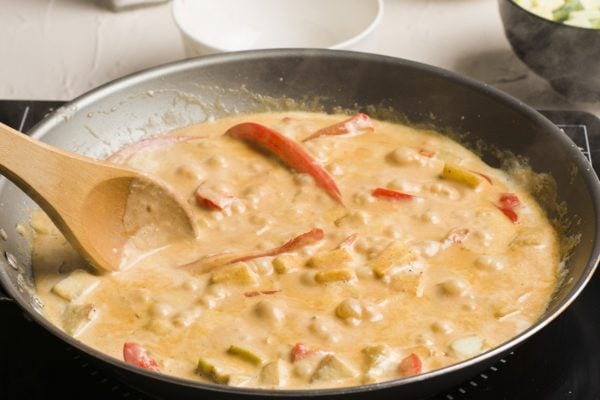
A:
(211, 26)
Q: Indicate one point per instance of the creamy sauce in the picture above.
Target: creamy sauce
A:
(394, 288)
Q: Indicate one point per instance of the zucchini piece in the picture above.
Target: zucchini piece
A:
(245, 354)
(213, 370)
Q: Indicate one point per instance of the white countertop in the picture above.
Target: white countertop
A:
(59, 49)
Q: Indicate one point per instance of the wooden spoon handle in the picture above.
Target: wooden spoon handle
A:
(31, 165)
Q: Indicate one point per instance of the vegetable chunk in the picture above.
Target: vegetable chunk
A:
(238, 273)
(461, 175)
(330, 369)
(213, 370)
(290, 152)
(335, 258)
(77, 317)
(357, 123)
(135, 354)
(396, 254)
(245, 354)
(78, 283)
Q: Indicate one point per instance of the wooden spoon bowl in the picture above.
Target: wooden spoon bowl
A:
(87, 199)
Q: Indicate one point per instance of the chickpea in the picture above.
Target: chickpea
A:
(453, 287)
(188, 172)
(335, 169)
(238, 207)
(190, 285)
(443, 327)
(372, 313)
(364, 272)
(308, 278)
(363, 198)
(489, 263)
(444, 190)
(269, 311)
(402, 156)
(349, 308)
(430, 217)
(217, 161)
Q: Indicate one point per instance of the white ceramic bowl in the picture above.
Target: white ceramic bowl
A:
(211, 26)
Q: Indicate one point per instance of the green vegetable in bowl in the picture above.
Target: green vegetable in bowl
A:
(580, 13)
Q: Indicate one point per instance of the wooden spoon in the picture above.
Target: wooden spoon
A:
(87, 199)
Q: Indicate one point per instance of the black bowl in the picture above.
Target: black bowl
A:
(567, 56)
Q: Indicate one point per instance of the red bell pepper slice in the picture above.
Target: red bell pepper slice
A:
(509, 200)
(300, 352)
(392, 194)
(135, 354)
(211, 199)
(305, 239)
(302, 240)
(508, 203)
(510, 214)
(290, 152)
(411, 365)
(356, 123)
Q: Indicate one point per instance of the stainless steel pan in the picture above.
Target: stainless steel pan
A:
(183, 93)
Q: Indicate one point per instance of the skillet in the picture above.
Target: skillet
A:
(179, 94)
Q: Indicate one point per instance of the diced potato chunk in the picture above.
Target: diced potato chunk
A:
(330, 369)
(458, 174)
(334, 275)
(468, 346)
(238, 273)
(77, 317)
(408, 282)
(245, 354)
(78, 283)
(379, 360)
(286, 263)
(396, 254)
(274, 374)
(213, 370)
(331, 259)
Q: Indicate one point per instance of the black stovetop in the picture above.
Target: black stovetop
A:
(560, 362)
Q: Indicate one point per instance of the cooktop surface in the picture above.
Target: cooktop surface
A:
(560, 362)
